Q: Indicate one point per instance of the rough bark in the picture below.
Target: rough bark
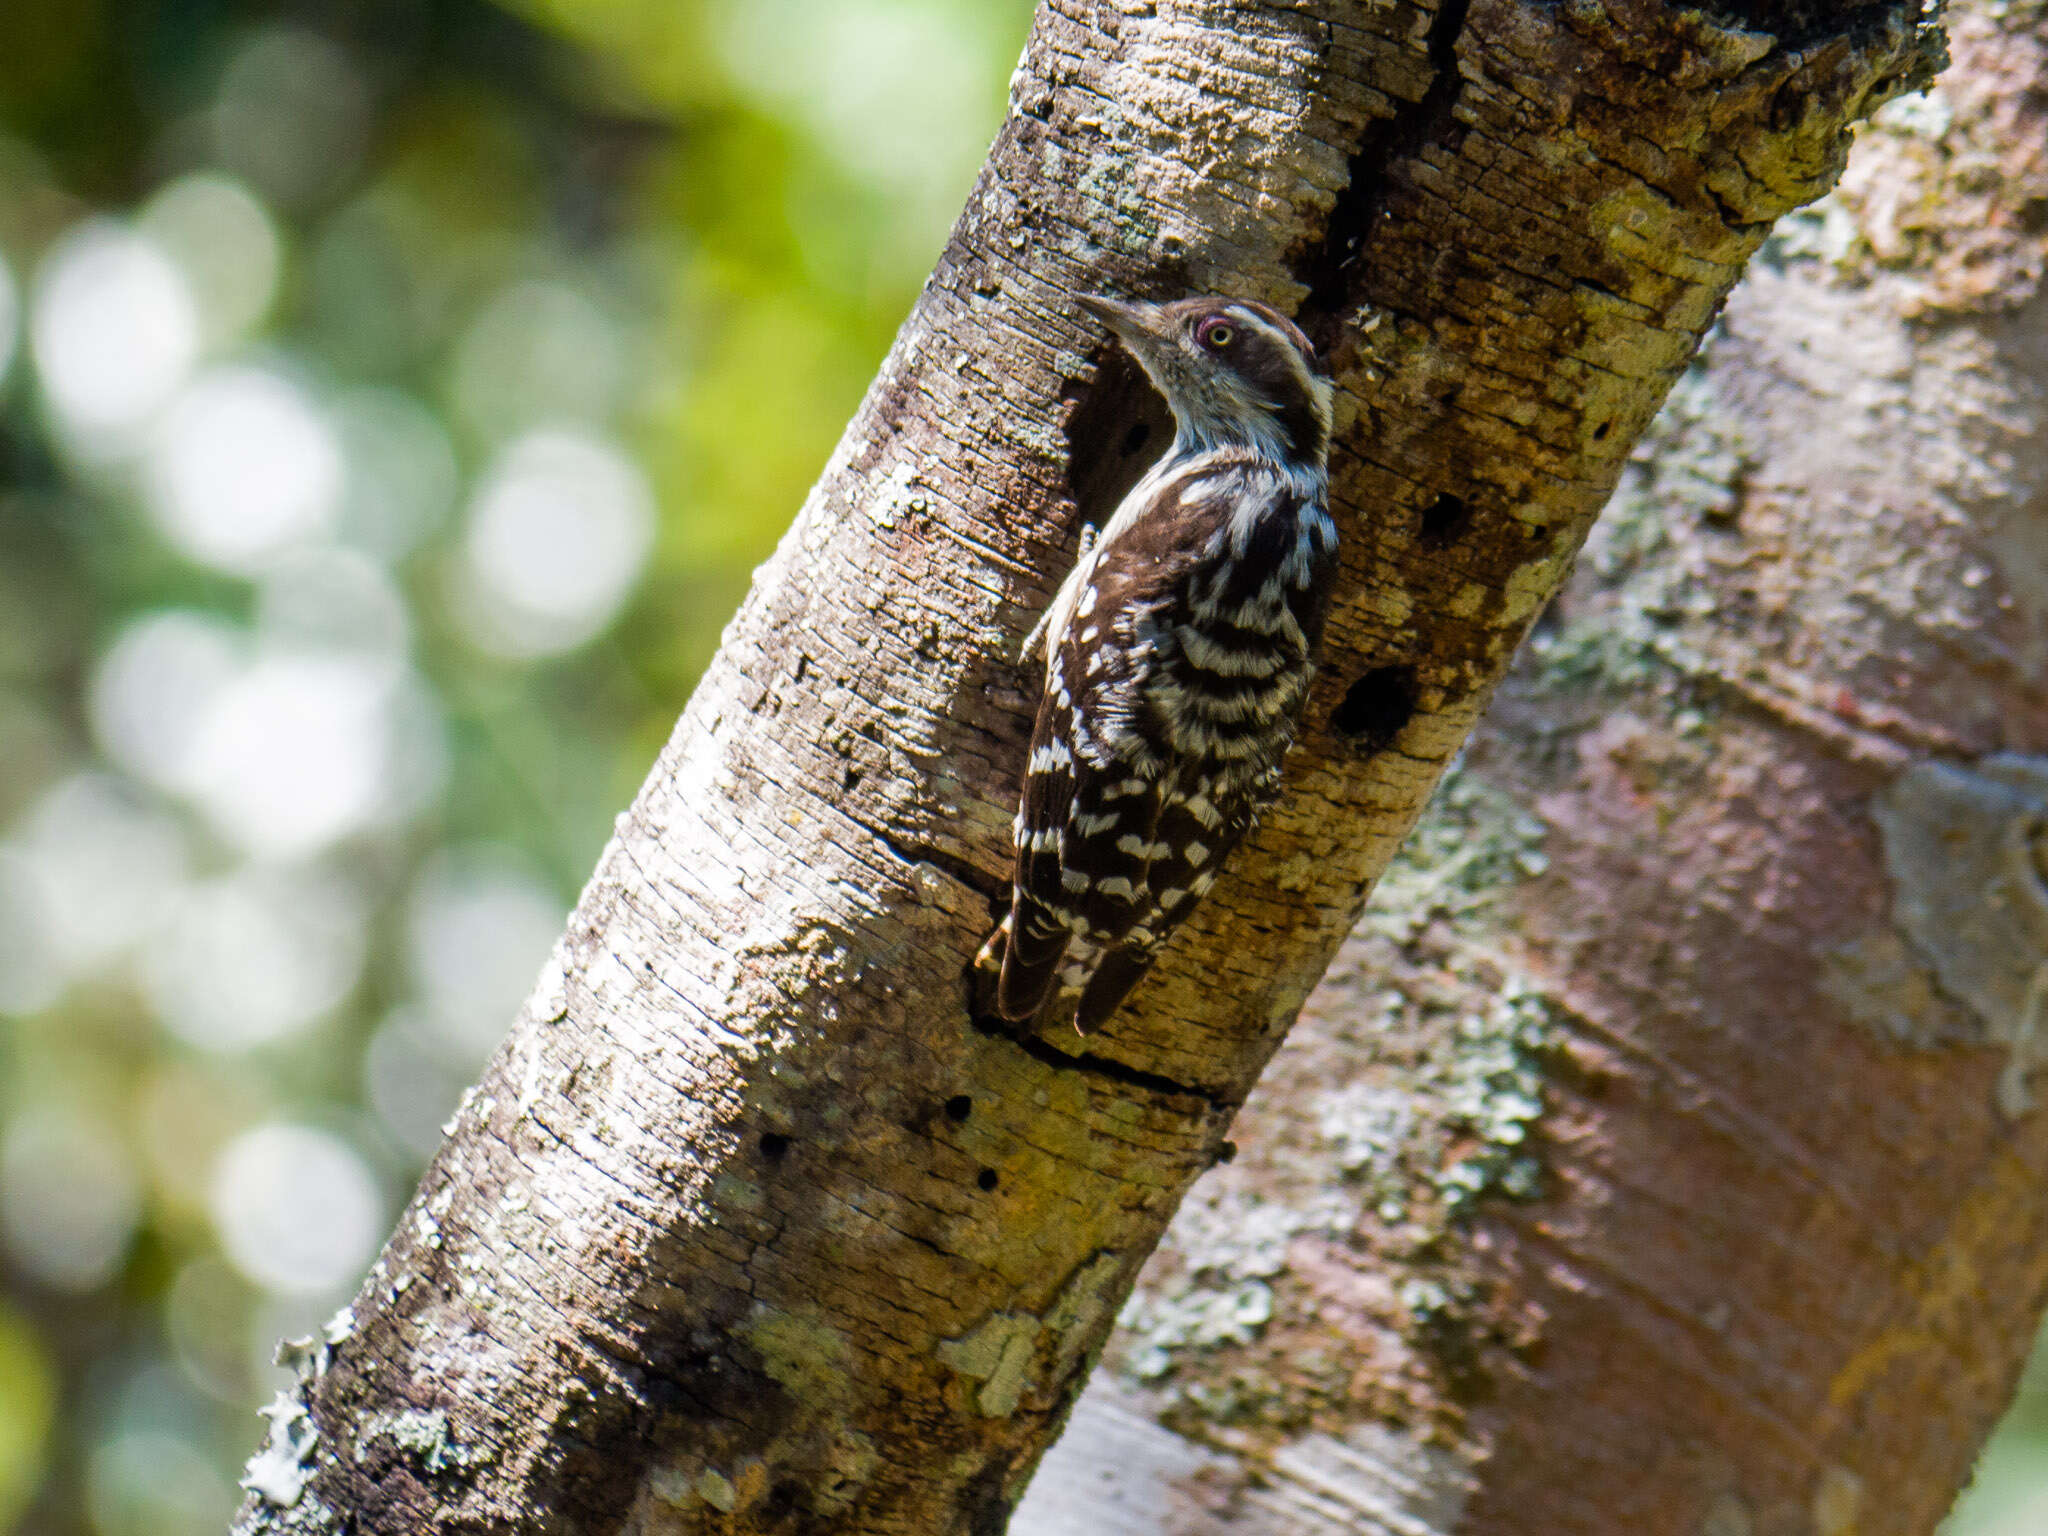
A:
(749, 1227)
(1660, 1155)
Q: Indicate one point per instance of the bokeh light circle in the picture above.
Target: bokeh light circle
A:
(292, 116)
(226, 244)
(297, 1209)
(538, 352)
(256, 957)
(114, 332)
(31, 977)
(555, 540)
(153, 687)
(109, 866)
(241, 467)
(156, 1482)
(409, 1080)
(299, 752)
(69, 1197)
(478, 928)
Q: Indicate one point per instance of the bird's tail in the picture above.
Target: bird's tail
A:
(1120, 970)
(1024, 953)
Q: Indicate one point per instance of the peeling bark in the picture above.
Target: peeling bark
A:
(749, 1227)
(1664, 1152)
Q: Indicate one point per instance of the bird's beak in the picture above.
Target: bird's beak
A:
(1137, 326)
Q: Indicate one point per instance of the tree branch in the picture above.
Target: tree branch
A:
(1664, 1151)
(748, 1227)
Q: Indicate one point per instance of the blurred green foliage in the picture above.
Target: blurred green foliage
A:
(344, 350)
(27, 1394)
(414, 304)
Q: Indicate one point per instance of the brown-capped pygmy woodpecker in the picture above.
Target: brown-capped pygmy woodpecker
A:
(1177, 654)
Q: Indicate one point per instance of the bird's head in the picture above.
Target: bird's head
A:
(1233, 371)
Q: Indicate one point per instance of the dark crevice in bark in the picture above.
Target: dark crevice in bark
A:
(1105, 1067)
(1594, 285)
(1801, 23)
(987, 1508)
(1730, 214)
(1117, 428)
(1376, 706)
(1328, 265)
(976, 879)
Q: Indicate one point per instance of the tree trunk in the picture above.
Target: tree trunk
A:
(749, 1227)
(1660, 1156)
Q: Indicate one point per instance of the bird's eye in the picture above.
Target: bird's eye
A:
(1218, 334)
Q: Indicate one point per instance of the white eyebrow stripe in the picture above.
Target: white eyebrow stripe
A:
(1274, 333)
(1317, 389)
(1265, 327)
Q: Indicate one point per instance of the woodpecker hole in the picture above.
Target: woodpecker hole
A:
(1446, 520)
(986, 1179)
(774, 1146)
(1376, 707)
(1600, 432)
(1117, 416)
(959, 1107)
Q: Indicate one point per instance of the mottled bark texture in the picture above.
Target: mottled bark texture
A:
(750, 1227)
(1664, 1153)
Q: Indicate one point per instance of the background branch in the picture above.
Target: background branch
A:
(1663, 1151)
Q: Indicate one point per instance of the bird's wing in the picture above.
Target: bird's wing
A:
(1090, 796)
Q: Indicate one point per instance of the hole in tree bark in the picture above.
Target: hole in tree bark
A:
(1446, 520)
(1376, 706)
(959, 1107)
(986, 1179)
(1113, 435)
(774, 1146)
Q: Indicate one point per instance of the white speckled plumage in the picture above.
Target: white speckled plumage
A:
(1178, 653)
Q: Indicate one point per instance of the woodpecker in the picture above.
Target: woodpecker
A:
(1177, 654)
